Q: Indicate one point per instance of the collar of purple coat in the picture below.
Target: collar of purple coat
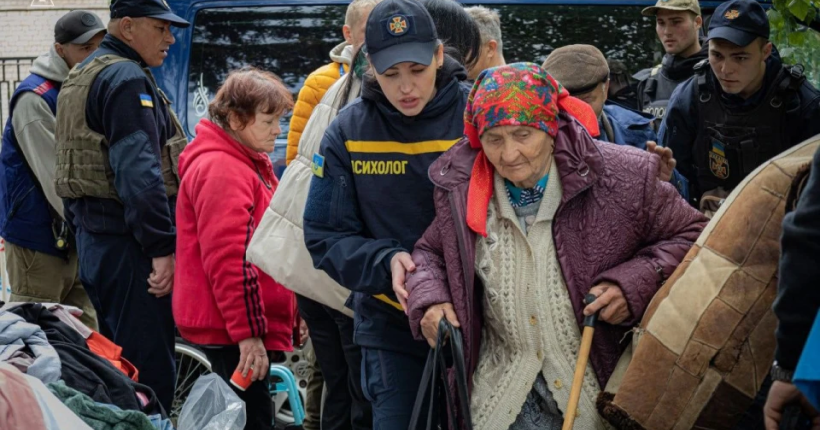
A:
(577, 157)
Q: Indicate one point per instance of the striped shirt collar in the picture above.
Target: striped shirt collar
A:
(520, 197)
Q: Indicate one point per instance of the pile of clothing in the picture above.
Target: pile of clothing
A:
(57, 373)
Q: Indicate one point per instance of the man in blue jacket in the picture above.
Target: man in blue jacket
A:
(741, 108)
(117, 152)
(41, 261)
(584, 72)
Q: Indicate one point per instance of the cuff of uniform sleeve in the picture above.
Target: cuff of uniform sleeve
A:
(163, 249)
(787, 355)
(387, 257)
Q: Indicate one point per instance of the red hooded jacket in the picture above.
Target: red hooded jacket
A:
(219, 297)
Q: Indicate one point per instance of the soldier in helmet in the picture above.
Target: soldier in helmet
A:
(742, 107)
(118, 145)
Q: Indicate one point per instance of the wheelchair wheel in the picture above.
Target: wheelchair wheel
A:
(191, 364)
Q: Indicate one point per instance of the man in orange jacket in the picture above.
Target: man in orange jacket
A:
(318, 82)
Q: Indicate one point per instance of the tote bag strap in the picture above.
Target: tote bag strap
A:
(457, 351)
(436, 368)
(427, 388)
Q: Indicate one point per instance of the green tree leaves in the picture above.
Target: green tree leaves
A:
(797, 43)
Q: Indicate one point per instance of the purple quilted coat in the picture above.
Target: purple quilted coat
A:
(616, 222)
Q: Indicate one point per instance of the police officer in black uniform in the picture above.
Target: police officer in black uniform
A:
(742, 107)
(678, 24)
(118, 145)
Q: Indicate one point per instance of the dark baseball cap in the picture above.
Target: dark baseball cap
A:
(77, 26)
(158, 9)
(400, 31)
(739, 22)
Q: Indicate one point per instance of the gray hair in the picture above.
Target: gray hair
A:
(354, 10)
(489, 24)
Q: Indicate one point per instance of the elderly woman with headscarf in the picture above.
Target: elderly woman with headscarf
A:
(531, 215)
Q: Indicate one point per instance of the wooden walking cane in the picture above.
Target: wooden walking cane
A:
(580, 367)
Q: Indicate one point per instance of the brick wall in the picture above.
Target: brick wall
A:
(27, 26)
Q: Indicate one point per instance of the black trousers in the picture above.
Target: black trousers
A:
(258, 403)
(345, 407)
(115, 271)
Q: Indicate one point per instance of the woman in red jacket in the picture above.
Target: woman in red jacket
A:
(221, 301)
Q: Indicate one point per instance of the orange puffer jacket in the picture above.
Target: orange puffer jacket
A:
(315, 87)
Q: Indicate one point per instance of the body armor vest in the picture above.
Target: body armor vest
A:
(730, 145)
(657, 90)
(83, 168)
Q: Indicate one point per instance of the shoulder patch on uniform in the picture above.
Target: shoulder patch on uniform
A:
(318, 165)
(146, 101)
(43, 88)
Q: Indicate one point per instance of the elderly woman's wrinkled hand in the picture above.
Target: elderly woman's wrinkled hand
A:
(252, 355)
(610, 302)
(432, 318)
(668, 162)
(400, 265)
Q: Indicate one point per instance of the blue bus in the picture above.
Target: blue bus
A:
(293, 37)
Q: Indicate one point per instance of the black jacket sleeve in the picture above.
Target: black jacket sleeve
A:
(335, 234)
(679, 128)
(798, 298)
(132, 126)
(809, 125)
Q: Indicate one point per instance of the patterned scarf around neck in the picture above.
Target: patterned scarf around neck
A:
(520, 197)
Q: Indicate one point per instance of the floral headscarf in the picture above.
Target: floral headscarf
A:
(515, 94)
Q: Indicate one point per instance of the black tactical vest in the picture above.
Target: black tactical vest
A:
(657, 90)
(729, 146)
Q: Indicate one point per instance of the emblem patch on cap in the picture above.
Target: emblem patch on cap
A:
(732, 14)
(88, 20)
(398, 25)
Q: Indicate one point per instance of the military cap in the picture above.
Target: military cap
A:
(158, 9)
(739, 22)
(690, 5)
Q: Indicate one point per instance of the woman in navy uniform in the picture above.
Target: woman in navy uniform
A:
(371, 199)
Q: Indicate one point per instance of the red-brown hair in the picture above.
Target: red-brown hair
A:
(246, 92)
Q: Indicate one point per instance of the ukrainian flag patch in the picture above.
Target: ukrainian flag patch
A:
(146, 101)
(718, 149)
(318, 165)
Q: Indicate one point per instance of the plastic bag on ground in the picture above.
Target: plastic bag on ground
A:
(212, 405)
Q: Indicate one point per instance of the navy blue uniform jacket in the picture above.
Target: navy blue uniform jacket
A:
(680, 128)
(374, 199)
(136, 133)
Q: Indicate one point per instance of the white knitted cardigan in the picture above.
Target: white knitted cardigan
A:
(529, 323)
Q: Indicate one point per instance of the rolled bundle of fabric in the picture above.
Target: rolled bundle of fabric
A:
(707, 340)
